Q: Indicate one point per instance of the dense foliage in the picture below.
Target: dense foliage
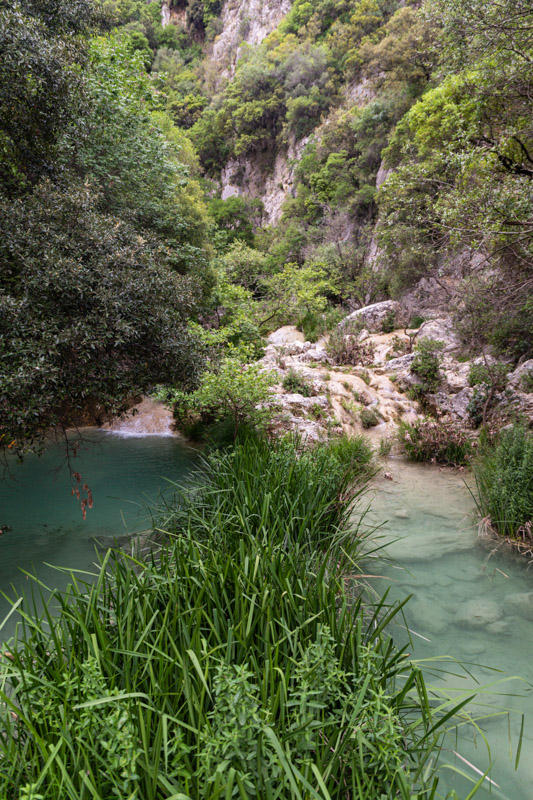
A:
(463, 169)
(239, 661)
(436, 441)
(436, 92)
(102, 253)
(504, 483)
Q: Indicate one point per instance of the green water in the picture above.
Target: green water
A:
(445, 566)
(125, 475)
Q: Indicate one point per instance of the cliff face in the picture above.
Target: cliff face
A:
(247, 177)
(245, 21)
(348, 125)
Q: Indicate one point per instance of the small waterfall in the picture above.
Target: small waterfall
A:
(149, 418)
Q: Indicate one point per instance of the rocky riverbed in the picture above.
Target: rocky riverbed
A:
(339, 395)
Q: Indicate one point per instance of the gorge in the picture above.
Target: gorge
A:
(266, 371)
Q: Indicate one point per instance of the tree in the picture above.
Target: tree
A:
(235, 390)
(43, 48)
(462, 186)
(90, 314)
(233, 216)
(102, 258)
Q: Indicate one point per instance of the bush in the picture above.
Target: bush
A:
(478, 405)
(526, 381)
(369, 419)
(343, 348)
(389, 322)
(494, 375)
(504, 482)
(426, 365)
(487, 380)
(437, 441)
(295, 381)
(416, 321)
(317, 411)
(233, 390)
(314, 325)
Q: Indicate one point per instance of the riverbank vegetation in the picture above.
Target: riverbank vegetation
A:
(504, 482)
(236, 660)
(437, 441)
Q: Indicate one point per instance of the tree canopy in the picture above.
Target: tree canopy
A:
(103, 253)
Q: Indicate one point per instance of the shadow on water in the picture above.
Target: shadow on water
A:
(467, 603)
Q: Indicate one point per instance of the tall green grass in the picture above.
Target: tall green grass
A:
(237, 660)
(504, 482)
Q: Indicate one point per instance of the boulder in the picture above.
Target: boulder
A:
(454, 404)
(315, 353)
(515, 378)
(455, 374)
(442, 330)
(400, 364)
(286, 335)
(371, 317)
(297, 402)
(294, 348)
(478, 613)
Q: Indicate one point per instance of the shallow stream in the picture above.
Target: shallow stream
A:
(463, 605)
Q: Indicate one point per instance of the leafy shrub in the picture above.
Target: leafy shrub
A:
(478, 405)
(233, 390)
(389, 322)
(526, 381)
(416, 321)
(398, 348)
(343, 347)
(369, 419)
(504, 482)
(494, 375)
(317, 411)
(314, 325)
(385, 447)
(438, 441)
(487, 380)
(426, 365)
(295, 381)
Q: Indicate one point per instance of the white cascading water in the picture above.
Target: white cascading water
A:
(149, 418)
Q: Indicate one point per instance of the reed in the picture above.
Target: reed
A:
(503, 473)
(236, 661)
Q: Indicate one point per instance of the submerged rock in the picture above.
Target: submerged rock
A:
(478, 613)
(473, 648)
(521, 604)
(499, 627)
(427, 617)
